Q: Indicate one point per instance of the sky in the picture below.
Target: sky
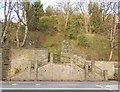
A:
(44, 2)
(52, 3)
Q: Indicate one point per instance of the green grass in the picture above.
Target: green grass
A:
(90, 46)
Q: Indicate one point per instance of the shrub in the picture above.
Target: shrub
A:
(46, 24)
(83, 40)
(71, 34)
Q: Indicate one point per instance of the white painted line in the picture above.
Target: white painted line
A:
(37, 84)
(107, 86)
(55, 88)
(99, 86)
(13, 84)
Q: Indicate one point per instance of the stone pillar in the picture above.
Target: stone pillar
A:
(51, 64)
(93, 71)
(105, 75)
(71, 62)
(36, 70)
(86, 70)
(29, 67)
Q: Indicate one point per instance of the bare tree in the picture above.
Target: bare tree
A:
(111, 10)
(81, 8)
(23, 21)
(25, 5)
(18, 27)
(112, 36)
(66, 7)
(8, 7)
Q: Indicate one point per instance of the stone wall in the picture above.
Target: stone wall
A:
(22, 60)
(61, 72)
(0, 63)
(106, 65)
(32, 64)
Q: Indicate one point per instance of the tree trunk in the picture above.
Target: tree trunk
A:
(67, 15)
(7, 15)
(26, 30)
(58, 24)
(26, 23)
(66, 20)
(86, 23)
(17, 36)
(111, 54)
(4, 30)
(4, 33)
(112, 38)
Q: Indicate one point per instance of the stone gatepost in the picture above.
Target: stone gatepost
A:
(51, 65)
(36, 65)
(93, 69)
(86, 70)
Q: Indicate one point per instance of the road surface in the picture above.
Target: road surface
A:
(34, 85)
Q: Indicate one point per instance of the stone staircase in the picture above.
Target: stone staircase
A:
(92, 72)
(24, 73)
(30, 72)
(87, 72)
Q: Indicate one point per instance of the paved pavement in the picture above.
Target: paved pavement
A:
(10, 85)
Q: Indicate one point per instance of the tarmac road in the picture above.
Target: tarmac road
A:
(46, 85)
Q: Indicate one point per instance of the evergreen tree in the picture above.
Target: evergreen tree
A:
(36, 11)
(96, 18)
(49, 11)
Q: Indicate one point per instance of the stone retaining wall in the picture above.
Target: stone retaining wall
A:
(33, 64)
(0, 63)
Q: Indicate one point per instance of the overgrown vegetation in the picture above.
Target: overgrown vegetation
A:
(93, 34)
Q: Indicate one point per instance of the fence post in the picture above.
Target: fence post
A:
(105, 75)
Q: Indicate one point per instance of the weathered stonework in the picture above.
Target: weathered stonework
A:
(36, 64)
(109, 66)
(0, 63)
(22, 60)
(66, 51)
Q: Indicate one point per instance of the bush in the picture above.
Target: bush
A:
(71, 34)
(46, 24)
(83, 40)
